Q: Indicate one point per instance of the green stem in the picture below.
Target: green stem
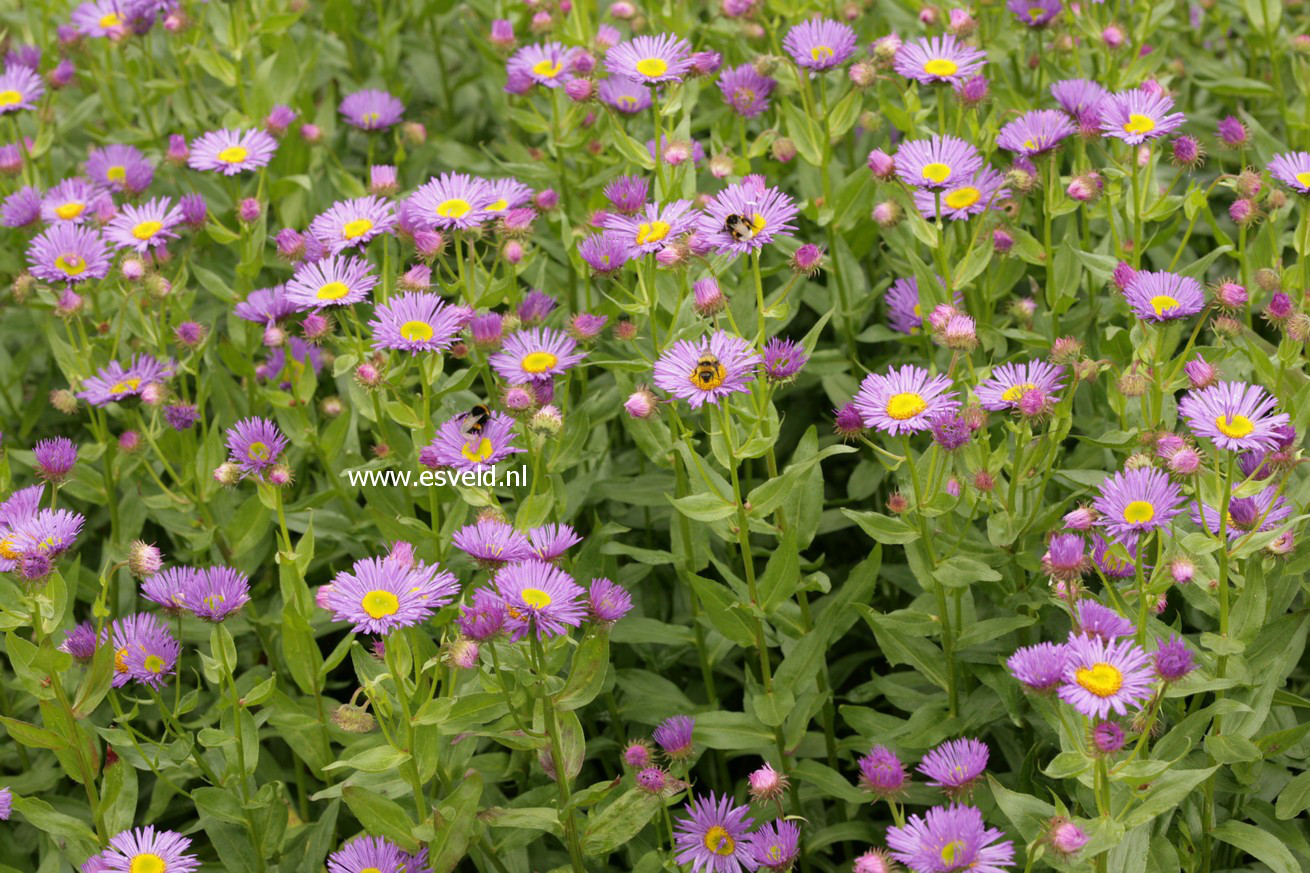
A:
(557, 753)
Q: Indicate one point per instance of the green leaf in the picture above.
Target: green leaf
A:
(1263, 846)
(32, 736)
(618, 823)
(1295, 797)
(723, 610)
(381, 817)
(883, 528)
(456, 815)
(378, 759)
(587, 671)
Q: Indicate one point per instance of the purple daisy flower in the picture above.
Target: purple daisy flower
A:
(1079, 96)
(624, 95)
(505, 194)
(168, 588)
(352, 223)
(652, 229)
(255, 444)
(607, 602)
(1136, 116)
(674, 736)
(1161, 297)
(455, 447)
(707, 370)
(116, 382)
(451, 200)
(371, 109)
(145, 849)
(20, 88)
(1008, 383)
(144, 227)
(665, 57)
(21, 208)
(144, 651)
(962, 200)
(484, 617)
(937, 163)
(746, 90)
(230, 151)
(938, 59)
(783, 359)
(766, 212)
(1036, 132)
(539, 596)
(535, 355)
(1137, 501)
(121, 167)
(820, 43)
(1099, 621)
(1293, 170)
(65, 252)
(266, 306)
(775, 845)
(415, 322)
(71, 200)
(950, 839)
(882, 773)
(1038, 668)
(215, 593)
(904, 309)
(370, 855)
(1173, 660)
(627, 194)
(904, 401)
(713, 836)
(552, 541)
(955, 765)
(492, 543)
(31, 543)
(100, 19)
(379, 596)
(1104, 675)
(1035, 13)
(1235, 416)
(1111, 565)
(334, 281)
(55, 459)
(1265, 510)
(605, 254)
(548, 64)
(80, 642)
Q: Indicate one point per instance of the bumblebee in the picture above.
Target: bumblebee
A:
(708, 373)
(737, 227)
(472, 422)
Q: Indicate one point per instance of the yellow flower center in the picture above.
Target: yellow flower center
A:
(1030, 144)
(481, 453)
(69, 211)
(757, 224)
(116, 173)
(154, 664)
(652, 67)
(499, 206)
(455, 207)
(258, 451)
(906, 405)
(371, 870)
(963, 198)
(147, 862)
(357, 228)
(950, 851)
(129, 384)
(708, 377)
(416, 331)
(146, 229)
(719, 841)
(1161, 302)
(108, 22)
(1101, 679)
(120, 660)
(627, 102)
(7, 550)
(535, 598)
(233, 154)
(936, 172)
(10, 98)
(1237, 426)
(538, 362)
(71, 264)
(1015, 393)
(821, 53)
(1304, 179)
(548, 68)
(1139, 512)
(941, 67)
(652, 232)
(1035, 13)
(380, 604)
(1139, 124)
(333, 291)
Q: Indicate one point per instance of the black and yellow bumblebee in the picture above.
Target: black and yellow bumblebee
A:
(472, 422)
(708, 372)
(737, 227)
